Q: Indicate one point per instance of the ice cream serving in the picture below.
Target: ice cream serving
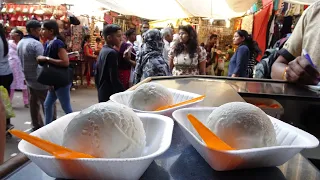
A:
(150, 96)
(242, 126)
(106, 130)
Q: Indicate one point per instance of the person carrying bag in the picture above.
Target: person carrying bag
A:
(51, 74)
(54, 70)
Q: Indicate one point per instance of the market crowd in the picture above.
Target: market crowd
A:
(122, 62)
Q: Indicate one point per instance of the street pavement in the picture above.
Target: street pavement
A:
(80, 99)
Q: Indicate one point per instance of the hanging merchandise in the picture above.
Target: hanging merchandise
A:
(260, 25)
(108, 18)
(266, 2)
(247, 23)
(297, 10)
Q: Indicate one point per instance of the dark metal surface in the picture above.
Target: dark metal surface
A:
(182, 161)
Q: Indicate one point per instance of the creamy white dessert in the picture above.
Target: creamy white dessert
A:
(106, 130)
(150, 96)
(242, 126)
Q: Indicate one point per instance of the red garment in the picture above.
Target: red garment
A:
(260, 25)
(124, 77)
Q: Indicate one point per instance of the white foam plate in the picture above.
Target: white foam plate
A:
(178, 96)
(158, 132)
(290, 141)
(317, 88)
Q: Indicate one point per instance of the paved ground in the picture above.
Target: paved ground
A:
(80, 99)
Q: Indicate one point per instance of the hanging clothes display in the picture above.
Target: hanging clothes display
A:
(247, 23)
(260, 25)
(77, 37)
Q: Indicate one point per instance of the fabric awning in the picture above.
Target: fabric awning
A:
(172, 9)
(168, 9)
(305, 2)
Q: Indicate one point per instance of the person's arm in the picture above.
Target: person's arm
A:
(2, 130)
(87, 52)
(127, 54)
(202, 61)
(62, 54)
(290, 65)
(242, 57)
(112, 62)
(171, 57)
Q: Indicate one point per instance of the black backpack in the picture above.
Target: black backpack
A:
(263, 69)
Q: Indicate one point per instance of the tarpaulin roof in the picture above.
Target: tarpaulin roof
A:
(306, 2)
(168, 9)
(154, 9)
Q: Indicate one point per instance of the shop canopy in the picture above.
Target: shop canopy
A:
(170, 9)
(305, 2)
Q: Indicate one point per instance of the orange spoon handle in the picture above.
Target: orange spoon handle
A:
(54, 149)
(212, 140)
(181, 103)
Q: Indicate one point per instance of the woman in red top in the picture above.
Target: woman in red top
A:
(89, 58)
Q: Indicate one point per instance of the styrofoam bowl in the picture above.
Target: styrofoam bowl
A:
(158, 139)
(290, 141)
(178, 96)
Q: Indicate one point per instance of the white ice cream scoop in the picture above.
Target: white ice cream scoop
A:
(150, 96)
(106, 130)
(242, 126)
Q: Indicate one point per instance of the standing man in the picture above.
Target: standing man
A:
(167, 35)
(107, 73)
(144, 28)
(29, 48)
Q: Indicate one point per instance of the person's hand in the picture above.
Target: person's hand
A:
(127, 53)
(302, 72)
(51, 88)
(42, 59)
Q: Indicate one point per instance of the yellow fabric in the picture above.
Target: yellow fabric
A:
(6, 102)
(306, 34)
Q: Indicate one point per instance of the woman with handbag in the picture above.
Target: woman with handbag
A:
(55, 70)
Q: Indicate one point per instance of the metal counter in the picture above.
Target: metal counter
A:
(182, 161)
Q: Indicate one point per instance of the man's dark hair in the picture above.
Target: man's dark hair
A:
(110, 29)
(130, 32)
(32, 24)
(98, 39)
(213, 36)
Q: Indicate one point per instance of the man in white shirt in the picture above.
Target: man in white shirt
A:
(139, 40)
(167, 35)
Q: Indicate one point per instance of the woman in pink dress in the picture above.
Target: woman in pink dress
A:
(15, 64)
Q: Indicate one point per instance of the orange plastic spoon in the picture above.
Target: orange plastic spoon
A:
(54, 149)
(181, 103)
(212, 140)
